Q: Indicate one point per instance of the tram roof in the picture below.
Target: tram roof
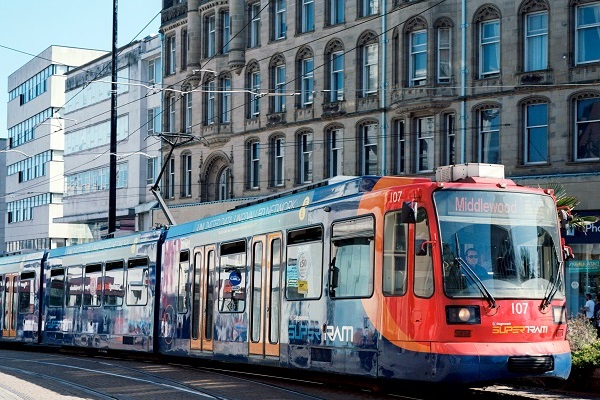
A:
(327, 190)
(122, 241)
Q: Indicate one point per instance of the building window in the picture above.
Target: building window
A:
(307, 16)
(187, 117)
(184, 48)
(489, 48)
(449, 139)
(279, 80)
(186, 175)
(335, 151)
(536, 133)
(369, 69)
(171, 114)
(211, 34)
(225, 31)
(225, 100)
(368, 7)
(171, 49)
(209, 88)
(170, 179)
(278, 154)
(336, 13)
(587, 33)
(305, 152)
(307, 82)
(255, 95)
(418, 58)
(587, 130)
(153, 122)
(253, 165)
(336, 88)
(254, 31)
(425, 138)
(489, 136)
(279, 26)
(399, 147)
(444, 54)
(151, 170)
(369, 157)
(224, 184)
(536, 41)
(154, 71)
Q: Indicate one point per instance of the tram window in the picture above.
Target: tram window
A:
(196, 300)
(92, 285)
(74, 286)
(210, 287)
(352, 252)
(26, 293)
(394, 255)
(137, 282)
(423, 276)
(275, 291)
(257, 268)
(184, 283)
(56, 292)
(304, 271)
(232, 277)
(112, 284)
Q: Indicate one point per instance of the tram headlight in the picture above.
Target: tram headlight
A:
(559, 315)
(463, 315)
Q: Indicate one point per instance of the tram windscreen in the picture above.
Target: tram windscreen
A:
(507, 242)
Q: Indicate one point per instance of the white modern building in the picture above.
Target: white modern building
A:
(87, 139)
(2, 195)
(34, 182)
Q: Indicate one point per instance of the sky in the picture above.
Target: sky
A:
(28, 27)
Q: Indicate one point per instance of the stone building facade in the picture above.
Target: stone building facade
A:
(283, 93)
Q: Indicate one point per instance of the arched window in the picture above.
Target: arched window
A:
(334, 158)
(278, 83)
(488, 133)
(443, 30)
(368, 138)
(368, 64)
(487, 25)
(415, 32)
(304, 148)
(534, 142)
(534, 25)
(305, 81)
(253, 85)
(334, 71)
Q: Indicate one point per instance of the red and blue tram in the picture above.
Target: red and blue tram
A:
(361, 276)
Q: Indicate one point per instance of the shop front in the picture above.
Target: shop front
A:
(582, 272)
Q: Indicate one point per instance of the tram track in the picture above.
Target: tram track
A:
(60, 376)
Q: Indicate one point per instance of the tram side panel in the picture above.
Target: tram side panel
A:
(328, 283)
(102, 297)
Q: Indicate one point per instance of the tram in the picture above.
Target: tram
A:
(355, 276)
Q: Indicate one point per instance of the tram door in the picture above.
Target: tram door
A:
(9, 305)
(265, 295)
(203, 298)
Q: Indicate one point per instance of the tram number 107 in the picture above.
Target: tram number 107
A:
(519, 308)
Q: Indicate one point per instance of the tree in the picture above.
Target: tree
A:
(565, 202)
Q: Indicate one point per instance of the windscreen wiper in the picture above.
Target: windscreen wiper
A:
(553, 287)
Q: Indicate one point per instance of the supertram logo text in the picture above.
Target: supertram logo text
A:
(504, 330)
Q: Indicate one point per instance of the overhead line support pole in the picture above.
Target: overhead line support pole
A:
(112, 191)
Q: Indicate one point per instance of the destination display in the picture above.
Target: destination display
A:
(495, 204)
